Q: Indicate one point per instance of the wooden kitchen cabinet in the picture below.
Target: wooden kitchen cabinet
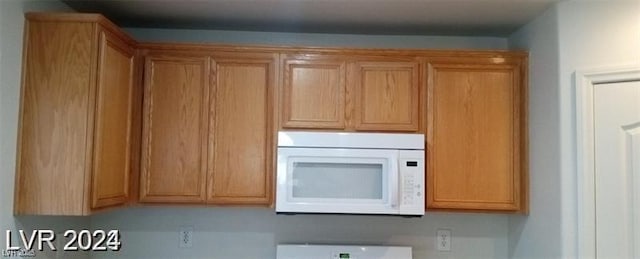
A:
(243, 133)
(75, 128)
(314, 92)
(387, 96)
(206, 130)
(350, 93)
(176, 128)
(476, 134)
(242, 128)
(208, 127)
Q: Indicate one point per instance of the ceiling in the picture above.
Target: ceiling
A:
(414, 17)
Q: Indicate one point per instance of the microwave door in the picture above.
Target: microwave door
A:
(353, 181)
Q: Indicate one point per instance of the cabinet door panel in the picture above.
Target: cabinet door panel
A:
(110, 182)
(387, 96)
(175, 129)
(314, 94)
(241, 165)
(474, 137)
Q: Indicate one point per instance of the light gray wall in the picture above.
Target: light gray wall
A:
(528, 236)
(11, 27)
(152, 232)
(593, 34)
(581, 35)
(318, 39)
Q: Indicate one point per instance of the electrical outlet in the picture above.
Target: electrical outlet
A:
(443, 239)
(186, 237)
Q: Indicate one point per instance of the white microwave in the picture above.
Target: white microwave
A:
(350, 173)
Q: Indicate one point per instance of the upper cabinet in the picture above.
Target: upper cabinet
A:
(242, 127)
(175, 128)
(351, 93)
(387, 96)
(208, 127)
(75, 129)
(105, 121)
(476, 135)
(113, 121)
(314, 92)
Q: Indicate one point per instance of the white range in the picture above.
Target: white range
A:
(342, 252)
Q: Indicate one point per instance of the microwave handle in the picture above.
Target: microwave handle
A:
(394, 184)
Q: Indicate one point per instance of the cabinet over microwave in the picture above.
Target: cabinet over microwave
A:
(350, 173)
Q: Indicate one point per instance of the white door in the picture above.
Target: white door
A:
(617, 169)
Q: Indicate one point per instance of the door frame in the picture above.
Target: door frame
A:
(585, 81)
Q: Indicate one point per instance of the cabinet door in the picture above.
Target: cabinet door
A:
(474, 136)
(241, 163)
(314, 92)
(387, 96)
(110, 181)
(175, 130)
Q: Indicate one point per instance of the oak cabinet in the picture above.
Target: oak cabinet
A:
(387, 95)
(207, 134)
(476, 134)
(241, 160)
(314, 92)
(75, 128)
(113, 121)
(176, 128)
(350, 93)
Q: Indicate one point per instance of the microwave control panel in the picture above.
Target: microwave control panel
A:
(411, 183)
